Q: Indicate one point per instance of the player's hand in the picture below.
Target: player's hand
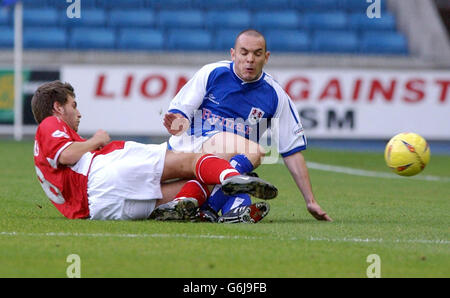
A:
(175, 123)
(101, 138)
(317, 212)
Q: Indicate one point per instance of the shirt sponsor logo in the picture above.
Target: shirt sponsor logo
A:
(60, 134)
(298, 129)
(225, 124)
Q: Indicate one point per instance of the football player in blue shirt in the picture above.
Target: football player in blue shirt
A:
(226, 107)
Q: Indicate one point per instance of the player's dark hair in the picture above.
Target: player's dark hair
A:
(46, 95)
(251, 32)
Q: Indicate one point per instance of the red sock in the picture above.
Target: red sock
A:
(194, 189)
(211, 169)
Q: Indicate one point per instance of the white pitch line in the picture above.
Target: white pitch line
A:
(365, 173)
(226, 237)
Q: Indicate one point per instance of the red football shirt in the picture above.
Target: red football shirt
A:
(65, 186)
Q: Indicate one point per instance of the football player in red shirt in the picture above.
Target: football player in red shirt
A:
(98, 178)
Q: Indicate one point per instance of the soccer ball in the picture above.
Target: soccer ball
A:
(407, 154)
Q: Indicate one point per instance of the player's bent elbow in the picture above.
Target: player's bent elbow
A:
(66, 158)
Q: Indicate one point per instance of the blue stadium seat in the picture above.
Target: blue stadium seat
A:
(224, 39)
(36, 3)
(131, 18)
(317, 5)
(140, 39)
(359, 6)
(217, 4)
(41, 16)
(89, 18)
(325, 20)
(360, 21)
(4, 17)
(335, 42)
(189, 40)
(63, 4)
(256, 5)
(265, 20)
(181, 19)
(288, 40)
(377, 42)
(171, 4)
(121, 4)
(6, 37)
(44, 38)
(92, 38)
(218, 19)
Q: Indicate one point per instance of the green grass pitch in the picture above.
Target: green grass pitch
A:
(404, 221)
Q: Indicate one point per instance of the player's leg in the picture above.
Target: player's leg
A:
(213, 170)
(226, 145)
(207, 168)
(243, 165)
(170, 190)
(210, 169)
(192, 193)
(237, 208)
(219, 201)
(180, 202)
(179, 165)
(229, 145)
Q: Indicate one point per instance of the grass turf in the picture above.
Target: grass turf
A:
(404, 221)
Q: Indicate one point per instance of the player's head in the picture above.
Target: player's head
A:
(56, 99)
(249, 54)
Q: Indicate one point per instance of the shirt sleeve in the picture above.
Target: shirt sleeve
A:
(287, 125)
(191, 96)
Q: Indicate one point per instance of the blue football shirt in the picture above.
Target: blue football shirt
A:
(216, 99)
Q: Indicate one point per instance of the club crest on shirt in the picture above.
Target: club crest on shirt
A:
(255, 115)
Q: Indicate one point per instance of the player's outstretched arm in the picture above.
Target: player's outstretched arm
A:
(297, 167)
(72, 154)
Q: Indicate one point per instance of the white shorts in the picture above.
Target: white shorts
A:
(126, 183)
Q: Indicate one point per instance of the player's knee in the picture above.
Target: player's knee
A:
(256, 156)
